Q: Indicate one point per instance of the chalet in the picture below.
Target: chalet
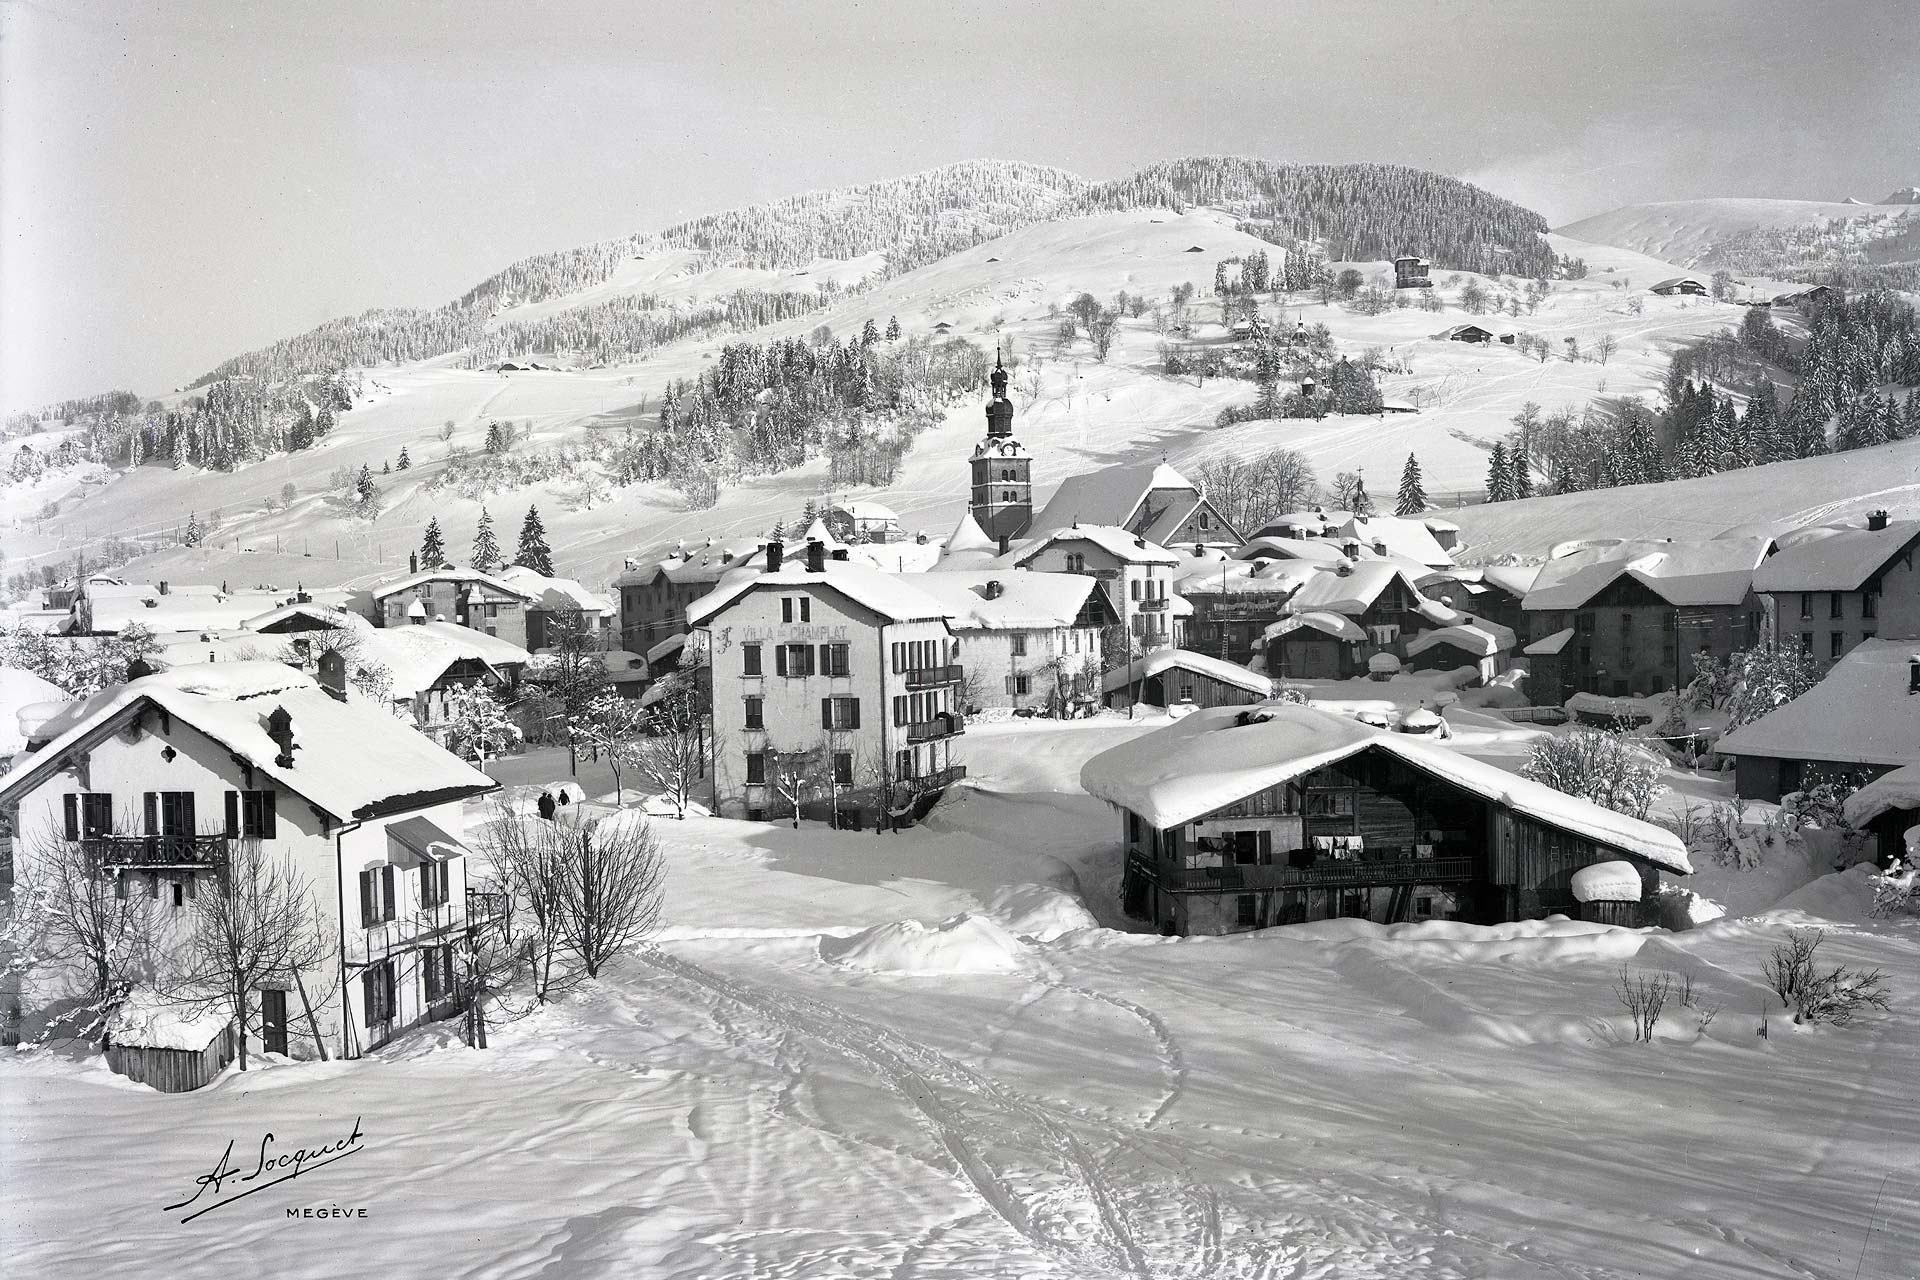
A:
(1861, 721)
(1358, 537)
(1484, 645)
(1242, 818)
(1339, 620)
(832, 683)
(1809, 297)
(1494, 592)
(165, 780)
(1828, 589)
(1411, 273)
(1172, 677)
(556, 606)
(1135, 574)
(1235, 600)
(428, 662)
(863, 521)
(1643, 612)
(1684, 285)
(1148, 500)
(1466, 333)
(464, 597)
(1025, 639)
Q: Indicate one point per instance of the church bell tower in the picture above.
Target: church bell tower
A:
(1002, 497)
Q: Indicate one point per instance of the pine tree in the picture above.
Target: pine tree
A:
(1413, 494)
(404, 461)
(534, 552)
(496, 439)
(363, 486)
(808, 514)
(869, 333)
(386, 468)
(1499, 474)
(1913, 414)
(433, 552)
(893, 328)
(1522, 473)
(486, 551)
(192, 536)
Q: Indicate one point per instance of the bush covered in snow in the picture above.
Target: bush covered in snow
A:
(1610, 769)
(1835, 996)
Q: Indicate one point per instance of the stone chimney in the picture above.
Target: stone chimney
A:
(333, 675)
(775, 553)
(1876, 521)
(280, 729)
(1380, 546)
(413, 562)
(1913, 675)
(994, 588)
(816, 556)
(163, 588)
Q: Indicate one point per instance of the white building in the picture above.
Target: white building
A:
(832, 672)
(163, 778)
(1137, 576)
(1025, 639)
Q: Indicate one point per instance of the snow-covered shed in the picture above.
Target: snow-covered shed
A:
(1237, 818)
(1889, 807)
(1167, 677)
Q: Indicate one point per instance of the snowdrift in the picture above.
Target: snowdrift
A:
(964, 943)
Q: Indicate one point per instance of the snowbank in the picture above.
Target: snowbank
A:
(965, 943)
(146, 1020)
(1607, 882)
(1040, 912)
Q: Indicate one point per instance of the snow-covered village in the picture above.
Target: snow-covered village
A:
(1345, 709)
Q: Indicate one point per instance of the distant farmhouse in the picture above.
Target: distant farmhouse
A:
(1686, 285)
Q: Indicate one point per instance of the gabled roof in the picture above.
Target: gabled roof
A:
(355, 760)
(1706, 571)
(557, 593)
(1482, 639)
(408, 581)
(183, 610)
(1164, 660)
(1861, 713)
(1112, 496)
(323, 616)
(1337, 625)
(1835, 559)
(891, 595)
(1027, 601)
(1209, 759)
(1115, 542)
(1216, 576)
(1354, 591)
(1551, 644)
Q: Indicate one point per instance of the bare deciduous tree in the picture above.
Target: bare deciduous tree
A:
(610, 896)
(528, 861)
(673, 753)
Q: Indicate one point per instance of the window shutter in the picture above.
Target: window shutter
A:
(853, 713)
(826, 659)
(386, 892)
(426, 884)
(233, 814)
(366, 898)
(71, 805)
(780, 660)
(151, 809)
(369, 995)
(826, 713)
(269, 819)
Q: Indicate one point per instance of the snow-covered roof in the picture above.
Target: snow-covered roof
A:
(472, 576)
(968, 546)
(1027, 601)
(1163, 660)
(1109, 496)
(184, 609)
(1116, 542)
(145, 1019)
(557, 593)
(355, 760)
(1336, 625)
(321, 616)
(1210, 759)
(891, 595)
(1356, 590)
(20, 690)
(418, 655)
(1607, 882)
(1835, 559)
(1270, 546)
(862, 511)
(1514, 579)
(1216, 576)
(1551, 644)
(1705, 571)
(666, 648)
(1861, 713)
(1899, 789)
(1482, 639)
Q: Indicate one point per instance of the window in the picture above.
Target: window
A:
(436, 971)
(1835, 608)
(1806, 605)
(756, 713)
(257, 817)
(1186, 690)
(96, 813)
(1023, 684)
(1869, 604)
(903, 763)
(1076, 562)
(806, 608)
(1330, 804)
(176, 812)
(833, 659)
(1248, 909)
(1423, 906)
(376, 895)
(1019, 644)
(179, 893)
(434, 879)
(756, 768)
(376, 989)
(1836, 644)
(1006, 495)
(840, 713)
(843, 768)
(795, 660)
(1133, 588)
(1206, 521)
(750, 659)
(1806, 642)
(786, 608)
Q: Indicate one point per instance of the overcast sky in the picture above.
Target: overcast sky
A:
(183, 181)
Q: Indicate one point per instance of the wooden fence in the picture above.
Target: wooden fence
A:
(173, 1070)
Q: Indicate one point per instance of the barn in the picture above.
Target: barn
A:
(1169, 676)
(1236, 819)
(1685, 285)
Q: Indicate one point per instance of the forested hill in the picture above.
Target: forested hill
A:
(1358, 211)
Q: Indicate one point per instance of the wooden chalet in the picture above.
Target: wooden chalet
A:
(1237, 819)
(1168, 677)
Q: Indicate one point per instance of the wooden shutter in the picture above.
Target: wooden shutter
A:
(426, 884)
(386, 892)
(826, 713)
(269, 818)
(71, 805)
(853, 713)
(370, 995)
(151, 812)
(366, 898)
(233, 814)
(780, 660)
(826, 660)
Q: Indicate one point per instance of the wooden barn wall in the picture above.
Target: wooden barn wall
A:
(172, 1070)
(1538, 862)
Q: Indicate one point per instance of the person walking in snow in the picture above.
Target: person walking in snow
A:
(546, 806)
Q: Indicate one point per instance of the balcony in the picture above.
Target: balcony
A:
(1156, 605)
(938, 780)
(1327, 873)
(429, 926)
(156, 851)
(933, 677)
(948, 724)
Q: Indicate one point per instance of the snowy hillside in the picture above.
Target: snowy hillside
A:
(1684, 231)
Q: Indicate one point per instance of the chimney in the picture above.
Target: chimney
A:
(280, 729)
(994, 588)
(816, 556)
(163, 588)
(774, 553)
(920, 538)
(413, 562)
(333, 675)
(841, 553)
(1199, 552)
(1344, 569)
(1913, 675)
(1876, 521)
(1380, 546)
(1352, 548)
(1139, 542)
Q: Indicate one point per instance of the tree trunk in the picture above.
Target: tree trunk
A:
(240, 1009)
(307, 1007)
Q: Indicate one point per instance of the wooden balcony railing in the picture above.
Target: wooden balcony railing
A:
(947, 724)
(1156, 605)
(938, 780)
(933, 677)
(1328, 873)
(156, 851)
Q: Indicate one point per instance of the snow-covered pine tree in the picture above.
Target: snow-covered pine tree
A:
(534, 552)
(433, 551)
(486, 549)
(1522, 473)
(893, 328)
(404, 461)
(193, 534)
(869, 333)
(386, 468)
(365, 494)
(1499, 474)
(1413, 495)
